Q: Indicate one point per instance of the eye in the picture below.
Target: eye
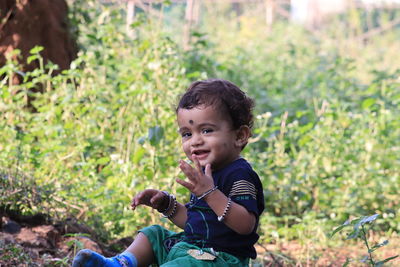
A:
(186, 134)
(207, 130)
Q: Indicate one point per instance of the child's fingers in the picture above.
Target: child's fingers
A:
(185, 184)
(187, 170)
(208, 170)
(197, 163)
(143, 198)
(134, 203)
(157, 199)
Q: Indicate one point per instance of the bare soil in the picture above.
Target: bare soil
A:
(36, 242)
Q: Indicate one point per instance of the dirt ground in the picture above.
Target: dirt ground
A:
(33, 242)
(294, 254)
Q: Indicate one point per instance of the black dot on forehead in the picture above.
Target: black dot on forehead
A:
(191, 121)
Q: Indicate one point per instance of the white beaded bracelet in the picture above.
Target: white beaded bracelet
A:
(228, 205)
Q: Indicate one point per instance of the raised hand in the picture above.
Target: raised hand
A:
(150, 197)
(199, 182)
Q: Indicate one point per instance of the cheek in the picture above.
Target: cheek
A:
(185, 147)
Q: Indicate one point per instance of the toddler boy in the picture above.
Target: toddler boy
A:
(220, 221)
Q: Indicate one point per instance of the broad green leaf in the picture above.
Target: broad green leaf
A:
(36, 49)
(366, 219)
(155, 135)
(31, 58)
(363, 220)
(138, 155)
(306, 128)
(368, 103)
(103, 160)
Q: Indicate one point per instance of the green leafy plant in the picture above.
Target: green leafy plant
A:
(360, 230)
(12, 254)
(325, 140)
(75, 243)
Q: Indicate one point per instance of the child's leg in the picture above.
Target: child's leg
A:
(142, 249)
(139, 253)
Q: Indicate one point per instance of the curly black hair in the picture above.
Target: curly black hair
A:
(223, 95)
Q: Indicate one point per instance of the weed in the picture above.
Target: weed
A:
(360, 231)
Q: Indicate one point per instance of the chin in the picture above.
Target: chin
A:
(204, 163)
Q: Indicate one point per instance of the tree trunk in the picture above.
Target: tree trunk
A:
(25, 24)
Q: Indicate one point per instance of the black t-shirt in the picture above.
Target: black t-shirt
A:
(239, 182)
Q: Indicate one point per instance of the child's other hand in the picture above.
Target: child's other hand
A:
(149, 197)
(199, 182)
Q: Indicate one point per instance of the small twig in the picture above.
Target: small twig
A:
(274, 259)
(19, 150)
(59, 200)
(271, 254)
(364, 237)
(6, 18)
(14, 192)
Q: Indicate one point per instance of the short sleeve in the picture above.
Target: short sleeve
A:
(242, 186)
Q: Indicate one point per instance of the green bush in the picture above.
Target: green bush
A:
(325, 141)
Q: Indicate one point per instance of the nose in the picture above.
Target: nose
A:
(196, 140)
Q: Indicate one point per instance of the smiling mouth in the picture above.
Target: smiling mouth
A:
(200, 153)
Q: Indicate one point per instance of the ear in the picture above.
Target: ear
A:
(242, 136)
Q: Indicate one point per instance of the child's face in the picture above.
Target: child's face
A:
(207, 135)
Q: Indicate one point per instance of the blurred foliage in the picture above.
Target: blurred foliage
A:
(325, 141)
(360, 231)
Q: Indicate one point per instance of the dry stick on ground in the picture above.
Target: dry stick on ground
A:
(82, 210)
(271, 254)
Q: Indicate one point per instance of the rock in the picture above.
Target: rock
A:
(77, 243)
(28, 238)
(45, 236)
(7, 238)
(48, 244)
(73, 226)
(22, 219)
(49, 232)
(9, 226)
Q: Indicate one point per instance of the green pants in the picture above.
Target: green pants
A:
(170, 251)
